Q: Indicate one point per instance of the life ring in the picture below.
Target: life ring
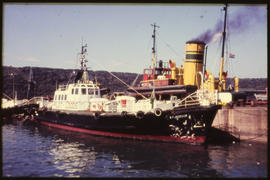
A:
(95, 107)
(158, 112)
(99, 107)
(140, 115)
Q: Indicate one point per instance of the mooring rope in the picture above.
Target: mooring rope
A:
(7, 96)
(127, 84)
(120, 80)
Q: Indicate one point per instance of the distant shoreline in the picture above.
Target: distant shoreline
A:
(46, 80)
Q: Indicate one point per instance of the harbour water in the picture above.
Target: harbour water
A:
(39, 151)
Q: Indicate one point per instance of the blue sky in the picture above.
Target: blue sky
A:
(119, 35)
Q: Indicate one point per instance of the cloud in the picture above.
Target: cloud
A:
(31, 59)
(116, 63)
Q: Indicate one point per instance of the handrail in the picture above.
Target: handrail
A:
(186, 102)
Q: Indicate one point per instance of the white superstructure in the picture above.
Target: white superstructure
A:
(78, 96)
(82, 95)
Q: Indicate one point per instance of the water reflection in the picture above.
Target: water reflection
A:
(55, 153)
(70, 158)
(245, 160)
(79, 153)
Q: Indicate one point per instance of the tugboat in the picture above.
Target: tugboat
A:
(170, 104)
(78, 106)
(167, 79)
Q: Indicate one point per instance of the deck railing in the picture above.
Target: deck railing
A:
(199, 97)
(190, 100)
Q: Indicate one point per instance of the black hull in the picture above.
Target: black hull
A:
(188, 125)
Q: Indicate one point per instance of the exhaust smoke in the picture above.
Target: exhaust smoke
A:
(238, 22)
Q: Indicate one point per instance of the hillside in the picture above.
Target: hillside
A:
(48, 78)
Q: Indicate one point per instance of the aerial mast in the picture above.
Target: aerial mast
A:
(154, 45)
(83, 61)
(221, 85)
(30, 84)
(82, 58)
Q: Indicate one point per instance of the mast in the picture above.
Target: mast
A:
(30, 80)
(221, 85)
(83, 63)
(82, 58)
(204, 64)
(154, 45)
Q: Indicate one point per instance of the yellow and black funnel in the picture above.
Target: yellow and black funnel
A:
(193, 62)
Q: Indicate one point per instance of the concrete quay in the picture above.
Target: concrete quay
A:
(246, 123)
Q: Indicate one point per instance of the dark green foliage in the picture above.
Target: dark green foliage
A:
(48, 78)
(249, 83)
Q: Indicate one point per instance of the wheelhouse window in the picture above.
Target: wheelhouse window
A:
(83, 91)
(62, 98)
(59, 96)
(55, 97)
(76, 91)
(65, 97)
(72, 91)
(90, 91)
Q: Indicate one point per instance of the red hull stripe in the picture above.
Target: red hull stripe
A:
(183, 139)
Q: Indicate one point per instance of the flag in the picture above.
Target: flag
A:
(225, 74)
(205, 75)
(231, 55)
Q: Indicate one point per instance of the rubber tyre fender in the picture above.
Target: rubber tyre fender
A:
(96, 115)
(57, 114)
(140, 115)
(123, 113)
(167, 115)
(158, 112)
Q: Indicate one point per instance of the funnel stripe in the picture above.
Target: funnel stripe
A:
(199, 52)
(200, 62)
(194, 56)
